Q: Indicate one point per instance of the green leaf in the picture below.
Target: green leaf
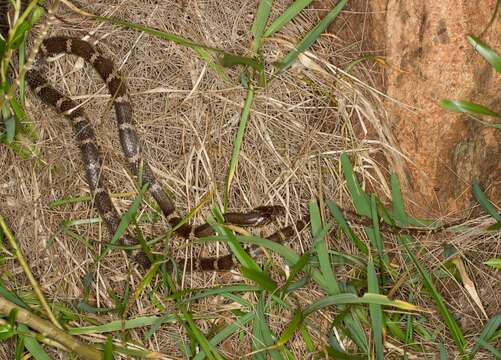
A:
(12, 297)
(230, 60)
(495, 227)
(484, 201)
(494, 262)
(33, 345)
(218, 69)
(6, 331)
(487, 53)
(360, 198)
(485, 335)
(291, 12)
(338, 215)
(375, 311)
(219, 290)
(108, 349)
(197, 336)
(471, 108)
(320, 245)
(442, 352)
(10, 129)
(291, 329)
(264, 337)
(467, 107)
(263, 11)
(237, 145)
(454, 329)
(125, 221)
(227, 332)
(311, 37)
(376, 234)
(260, 278)
(242, 256)
(348, 298)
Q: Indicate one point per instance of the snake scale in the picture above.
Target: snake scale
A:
(86, 140)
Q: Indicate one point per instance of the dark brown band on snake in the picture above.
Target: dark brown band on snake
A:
(86, 139)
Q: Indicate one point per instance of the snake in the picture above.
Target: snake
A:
(85, 138)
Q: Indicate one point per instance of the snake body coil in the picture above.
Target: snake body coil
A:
(86, 139)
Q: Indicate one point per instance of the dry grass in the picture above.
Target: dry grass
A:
(187, 118)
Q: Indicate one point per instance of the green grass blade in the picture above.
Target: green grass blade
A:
(220, 290)
(294, 271)
(237, 145)
(108, 349)
(397, 201)
(125, 220)
(494, 262)
(348, 298)
(265, 338)
(467, 107)
(454, 329)
(260, 278)
(199, 48)
(442, 352)
(338, 215)
(487, 53)
(376, 239)
(320, 245)
(308, 339)
(35, 348)
(471, 108)
(291, 329)
(217, 68)
(375, 311)
(242, 256)
(287, 253)
(484, 202)
(494, 227)
(197, 336)
(487, 332)
(495, 351)
(295, 8)
(230, 60)
(164, 35)
(119, 325)
(341, 355)
(226, 332)
(311, 37)
(360, 198)
(263, 11)
(12, 297)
